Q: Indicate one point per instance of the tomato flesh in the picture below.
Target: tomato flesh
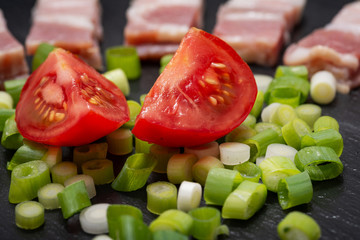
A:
(205, 91)
(65, 102)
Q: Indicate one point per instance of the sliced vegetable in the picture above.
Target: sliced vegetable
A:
(11, 138)
(298, 225)
(88, 180)
(258, 105)
(120, 141)
(211, 87)
(189, 196)
(268, 111)
(219, 184)
(321, 163)
(47, 195)
(172, 219)
(93, 219)
(6, 101)
(73, 199)
(293, 131)
(65, 102)
(88, 152)
(309, 113)
(27, 179)
(287, 96)
(262, 81)
(161, 196)
(327, 138)
(118, 77)
(207, 149)
(326, 122)
(261, 126)
(101, 170)
(63, 171)
(142, 146)
(29, 215)
(278, 149)
(42, 52)
(4, 115)
(53, 156)
(202, 167)
(129, 227)
(134, 173)
(249, 171)
(169, 234)
(162, 156)
(135, 109)
(179, 167)
(14, 87)
(283, 114)
(295, 190)
(323, 87)
(240, 134)
(244, 201)
(233, 153)
(299, 71)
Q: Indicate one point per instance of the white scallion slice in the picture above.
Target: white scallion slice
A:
(189, 196)
(62, 171)
(278, 149)
(6, 100)
(93, 219)
(208, 149)
(259, 160)
(102, 237)
(53, 156)
(29, 215)
(323, 87)
(47, 195)
(268, 111)
(233, 153)
(262, 81)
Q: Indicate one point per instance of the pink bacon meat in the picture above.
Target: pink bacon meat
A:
(12, 56)
(74, 25)
(257, 29)
(156, 27)
(335, 48)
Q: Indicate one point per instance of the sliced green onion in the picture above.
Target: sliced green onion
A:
(142, 146)
(14, 87)
(262, 81)
(162, 155)
(288, 96)
(52, 156)
(179, 167)
(278, 149)
(202, 167)
(268, 111)
(62, 171)
(114, 211)
(101, 170)
(129, 227)
(261, 126)
(11, 138)
(41, 54)
(120, 142)
(142, 98)
(321, 163)
(326, 122)
(4, 115)
(189, 196)
(134, 173)
(118, 77)
(161, 196)
(276, 168)
(207, 223)
(295, 190)
(73, 199)
(27, 179)
(299, 71)
(309, 113)
(6, 101)
(258, 105)
(244, 201)
(125, 58)
(323, 87)
(240, 134)
(88, 180)
(219, 184)
(293, 131)
(172, 219)
(168, 234)
(28, 152)
(102, 237)
(249, 171)
(207, 149)
(327, 138)
(47, 195)
(298, 225)
(93, 219)
(29, 215)
(259, 160)
(249, 121)
(164, 60)
(135, 109)
(283, 114)
(84, 153)
(261, 141)
(233, 153)
(289, 82)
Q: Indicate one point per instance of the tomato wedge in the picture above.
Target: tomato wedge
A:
(205, 91)
(65, 102)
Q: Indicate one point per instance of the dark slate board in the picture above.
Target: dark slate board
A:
(335, 204)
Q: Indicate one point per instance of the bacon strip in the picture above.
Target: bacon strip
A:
(257, 29)
(156, 27)
(12, 56)
(74, 25)
(335, 48)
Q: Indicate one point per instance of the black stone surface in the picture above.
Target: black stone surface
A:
(335, 204)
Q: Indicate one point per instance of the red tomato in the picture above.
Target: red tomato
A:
(205, 91)
(65, 102)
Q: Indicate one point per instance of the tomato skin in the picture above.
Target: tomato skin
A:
(65, 102)
(205, 92)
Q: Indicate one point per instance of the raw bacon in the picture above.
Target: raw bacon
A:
(12, 56)
(74, 25)
(257, 29)
(157, 27)
(335, 48)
